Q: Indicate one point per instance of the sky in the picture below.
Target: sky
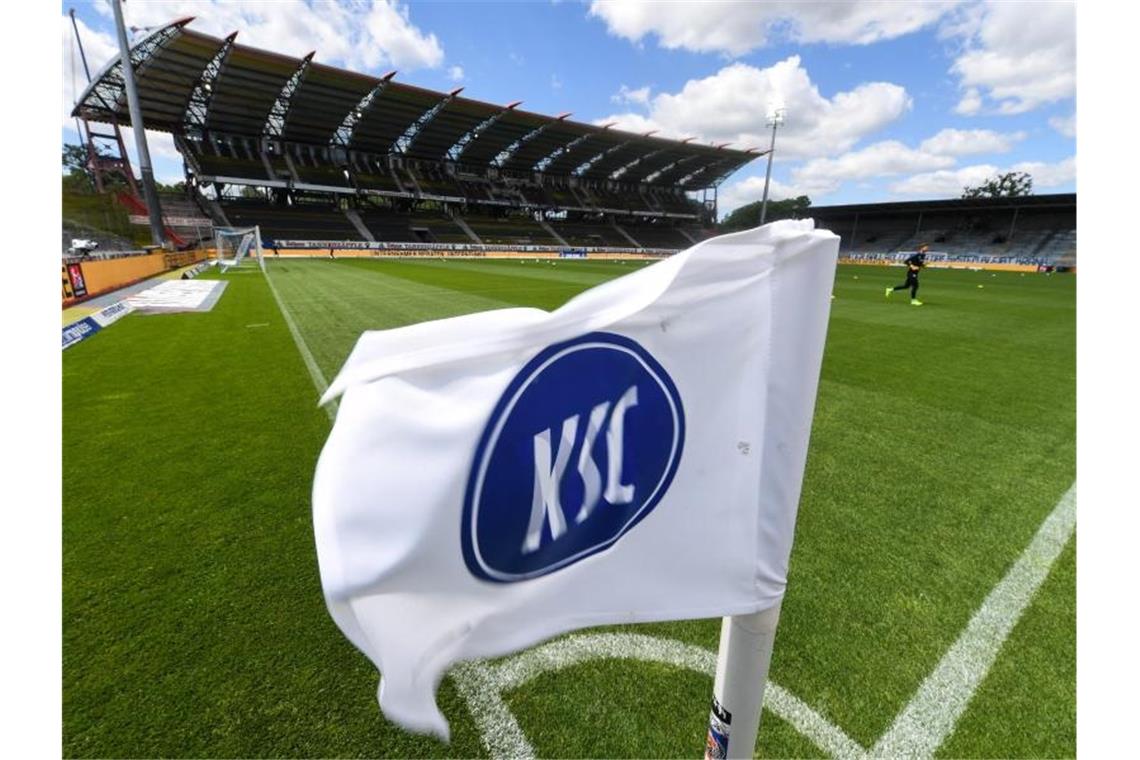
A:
(882, 101)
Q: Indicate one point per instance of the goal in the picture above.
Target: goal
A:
(234, 245)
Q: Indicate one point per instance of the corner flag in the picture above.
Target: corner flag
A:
(497, 479)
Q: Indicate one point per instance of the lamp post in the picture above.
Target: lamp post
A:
(150, 193)
(775, 119)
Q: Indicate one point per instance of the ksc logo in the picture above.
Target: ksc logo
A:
(580, 448)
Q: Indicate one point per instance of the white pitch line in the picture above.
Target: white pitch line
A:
(929, 719)
(500, 732)
(482, 684)
(801, 716)
(315, 373)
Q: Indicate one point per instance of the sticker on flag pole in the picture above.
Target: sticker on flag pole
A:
(720, 723)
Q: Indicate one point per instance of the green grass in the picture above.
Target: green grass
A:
(193, 617)
(102, 213)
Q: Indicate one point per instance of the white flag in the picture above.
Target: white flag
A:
(496, 479)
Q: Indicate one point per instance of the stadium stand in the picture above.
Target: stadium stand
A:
(658, 234)
(513, 229)
(297, 221)
(331, 154)
(588, 233)
(388, 224)
(437, 227)
(1037, 230)
(185, 218)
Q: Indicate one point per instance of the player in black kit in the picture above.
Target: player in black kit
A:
(914, 265)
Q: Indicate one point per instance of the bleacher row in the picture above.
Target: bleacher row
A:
(240, 159)
(1035, 230)
(319, 221)
(1046, 247)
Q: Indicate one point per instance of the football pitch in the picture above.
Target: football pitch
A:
(944, 437)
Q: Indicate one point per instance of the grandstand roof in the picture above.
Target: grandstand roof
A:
(190, 81)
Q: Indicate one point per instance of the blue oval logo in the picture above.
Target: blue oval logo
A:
(580, 448)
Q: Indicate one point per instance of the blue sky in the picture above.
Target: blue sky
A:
(883, 101)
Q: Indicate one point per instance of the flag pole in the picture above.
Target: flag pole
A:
(741, 677)
(745, 640)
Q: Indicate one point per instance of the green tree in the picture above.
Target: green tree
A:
(748, 216)
(74, 157)
(75, 177)
(1008, 185)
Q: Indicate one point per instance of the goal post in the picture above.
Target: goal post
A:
(234, 245)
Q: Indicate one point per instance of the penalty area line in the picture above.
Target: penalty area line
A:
(930, 717)
(315, 373)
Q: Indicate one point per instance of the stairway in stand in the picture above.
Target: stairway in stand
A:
(135, 205)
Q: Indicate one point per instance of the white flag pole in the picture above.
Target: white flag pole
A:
(741, 676)
(745, 640)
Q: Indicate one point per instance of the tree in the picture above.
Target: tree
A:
(748, 216)
(76, 178)
(74, 157)
(1008, 185)
(177, 187)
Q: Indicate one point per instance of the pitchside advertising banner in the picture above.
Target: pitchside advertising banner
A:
(74, 284)
(88, 326)
(443, 249)
(496, 479)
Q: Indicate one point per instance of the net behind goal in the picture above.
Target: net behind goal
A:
(235, 245)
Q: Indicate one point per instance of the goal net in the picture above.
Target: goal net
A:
(235, 245)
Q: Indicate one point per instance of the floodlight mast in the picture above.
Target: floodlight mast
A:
(150, 193)
(82, 55)
(775, 119)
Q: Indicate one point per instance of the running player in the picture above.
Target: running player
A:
(914, 264)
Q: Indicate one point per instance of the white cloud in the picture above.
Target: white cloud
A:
(713, 110)
(625, 95)
(455, 73)
(396, 38)
(741, 193)
(377, 34)
(99, 48)
(970, 103)
(633, 122)
(1017, 56)
(821, 177)
(734, 28)
(1066, 125)
(882, 159)
(1049, 175)
(165, 158)
(949, 183)
(931, 164)
(964, 142)
(555, 82)
(945, 183)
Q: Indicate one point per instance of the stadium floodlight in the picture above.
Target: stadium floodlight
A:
(775, 117)
(150, 193)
